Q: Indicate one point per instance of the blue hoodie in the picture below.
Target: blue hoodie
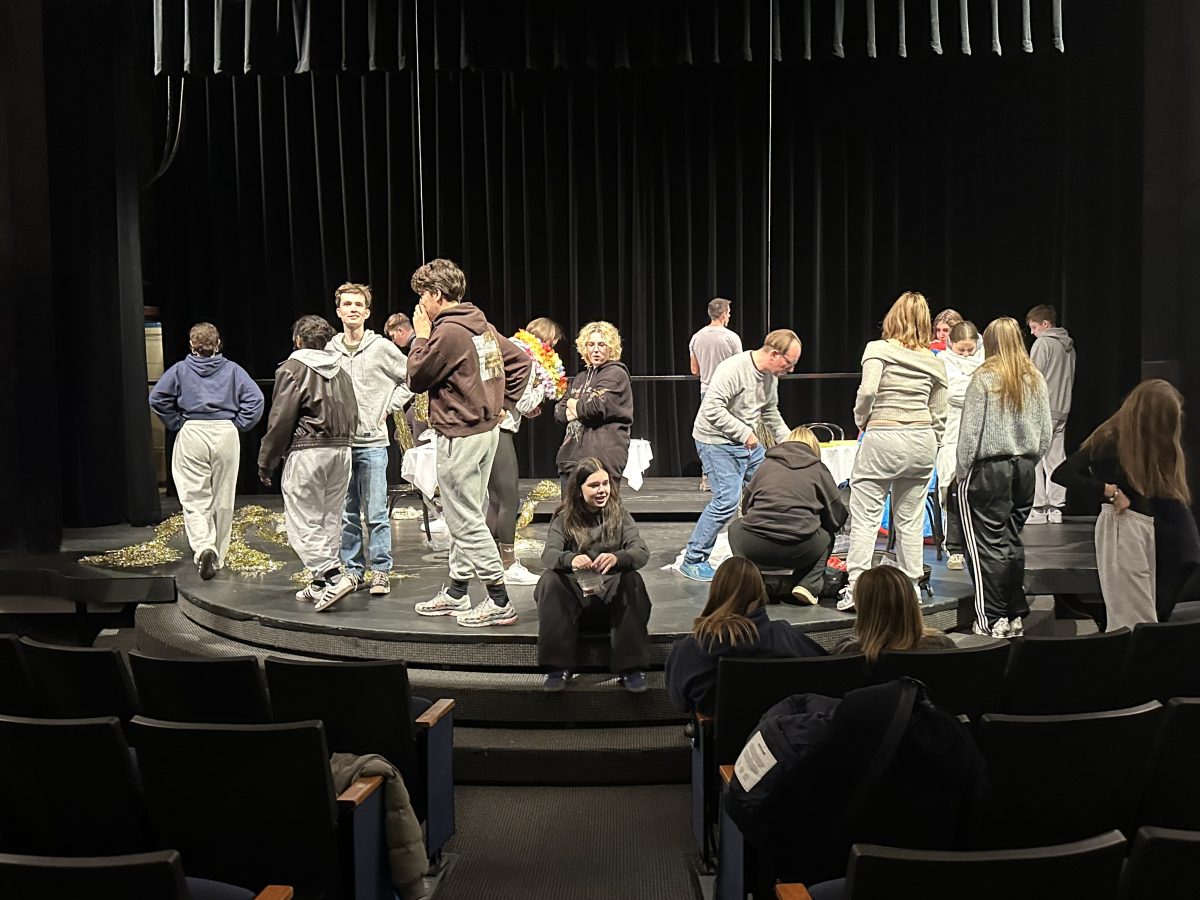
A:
(207, 388)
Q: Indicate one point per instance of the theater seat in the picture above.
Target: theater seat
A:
(18, 696)
(229, 689)
(967, 681)
(81, 682)
(1162, 661)
(1164, 865)
(1049, 676)
(1171, 797)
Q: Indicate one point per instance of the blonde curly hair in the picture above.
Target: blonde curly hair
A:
(608, 331)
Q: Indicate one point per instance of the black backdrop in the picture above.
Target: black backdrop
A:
(637, 193)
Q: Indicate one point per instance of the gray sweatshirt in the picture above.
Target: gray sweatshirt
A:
(901, 385)
(1054, 355)
(377, 368)
(737, 397)
(989, 428)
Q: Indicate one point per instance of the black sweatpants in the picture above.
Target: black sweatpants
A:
(805, 556)
(561, 605)
(503, 502)
(994, 502)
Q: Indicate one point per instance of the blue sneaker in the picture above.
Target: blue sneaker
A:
(697, 571)
(634, 682)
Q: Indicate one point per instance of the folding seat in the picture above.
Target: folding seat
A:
(227, 689)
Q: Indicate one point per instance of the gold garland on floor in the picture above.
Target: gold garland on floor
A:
(155, 552)
(543, 490)
(244, 559)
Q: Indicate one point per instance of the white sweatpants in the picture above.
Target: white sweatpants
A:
(314, 493)
(1125, 560)
(204, 465)
(1047, 494)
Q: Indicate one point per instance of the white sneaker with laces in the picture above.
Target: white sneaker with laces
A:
(956, 562)
(343, 587)
(1054, 515)
(488, 613)
(999, 630)
(518, 574)
(1037, 517)
(310, 593)
(437, 525)
(846, 600)
(804, 595)
(1016, 628)
(381, 584)
(443, 605)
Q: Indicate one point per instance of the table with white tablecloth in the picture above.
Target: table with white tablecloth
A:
(838, 457)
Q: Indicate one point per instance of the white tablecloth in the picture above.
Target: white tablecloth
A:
(640, 455)
(838, 457)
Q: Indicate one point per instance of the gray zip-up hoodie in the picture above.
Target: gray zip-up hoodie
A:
(378, 370)
(1054, 355)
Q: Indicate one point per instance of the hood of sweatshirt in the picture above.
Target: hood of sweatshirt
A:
(1059, 334)
(465, 315)
(205, 366)
(922, 361)
(338, 344)
(793, 454)
(326, 363)
(964, 364)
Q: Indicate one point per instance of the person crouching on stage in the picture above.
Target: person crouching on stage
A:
(598, 407)
(547, 381)
(790, 513)
(208, 399)
(593, 551)
(1005, 430)
(314, 416)
(734, 624)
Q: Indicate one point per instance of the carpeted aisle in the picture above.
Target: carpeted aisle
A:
(571, 843)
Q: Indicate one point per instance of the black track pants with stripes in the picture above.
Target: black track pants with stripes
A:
(995, 501)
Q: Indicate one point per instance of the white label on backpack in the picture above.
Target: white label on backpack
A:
(754, 762)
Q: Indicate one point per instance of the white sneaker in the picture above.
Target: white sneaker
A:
(1037, 517)
(1016, 628)
(846, 600)
(380, 582)
(443, 605)
(1054, 515)
(804, 595)
(488, 613)
(437, 525)
(518, 574)
(956, 562)
(999, 630)
(310, 594)
(343, 587)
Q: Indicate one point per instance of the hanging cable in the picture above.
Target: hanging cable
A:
(420, 135)
(770, 148)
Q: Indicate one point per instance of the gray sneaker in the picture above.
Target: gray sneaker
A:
(1016, 628)
(443, 605)
(380, 584)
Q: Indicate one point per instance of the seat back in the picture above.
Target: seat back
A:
(965, 681)
(1052, 676)
(230, 690)
(1161, 662)
(747, 688)
(158, 875)
(1081, 870)
(1164, 865)
(1171, 797)
(81, 682)
(68, 787)
(1096, 769)
(18, 695)
(364, 705)
(244, 804)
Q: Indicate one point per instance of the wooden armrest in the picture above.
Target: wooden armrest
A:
(791, 892)
(703, 719)
(357, 793)
(435, 713)
(726, 774)
(275, 892)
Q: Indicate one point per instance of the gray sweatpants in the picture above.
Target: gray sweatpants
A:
(464, 465)
(314, 493)
(204, 465)
(1125, 560)
(1047, 494)
(899, 458)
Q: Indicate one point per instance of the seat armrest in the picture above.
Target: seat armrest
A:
(791, 892)
(704, 720)
(435, 713)
(726, 774)
(275, 892)
(359, 791)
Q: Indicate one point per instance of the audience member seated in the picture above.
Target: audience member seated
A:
(790, 513)
(593, 551)
(889, 617)
(734, 623)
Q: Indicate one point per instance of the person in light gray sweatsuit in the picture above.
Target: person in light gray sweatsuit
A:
(1053, 353)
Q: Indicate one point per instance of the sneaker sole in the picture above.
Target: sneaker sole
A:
(694, 577)
(446, 611)
(380, 592)
(511, 621)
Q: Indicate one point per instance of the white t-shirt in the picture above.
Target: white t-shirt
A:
(712, 346)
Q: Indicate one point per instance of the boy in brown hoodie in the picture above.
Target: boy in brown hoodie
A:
(473, 375)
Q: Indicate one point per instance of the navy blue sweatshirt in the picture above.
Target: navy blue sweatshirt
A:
(207, 388)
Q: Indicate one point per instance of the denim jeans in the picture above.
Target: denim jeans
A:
(367, 497)
(728, 467)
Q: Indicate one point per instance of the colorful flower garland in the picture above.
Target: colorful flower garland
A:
(551, 373)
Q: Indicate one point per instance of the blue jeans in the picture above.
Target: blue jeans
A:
(367, 496)
(728, 467)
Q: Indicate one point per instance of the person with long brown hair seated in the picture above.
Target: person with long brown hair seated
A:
(1147, 546)
(593, 551)
(734, 623)
(889, 617)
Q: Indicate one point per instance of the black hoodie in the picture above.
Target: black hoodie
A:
(792, 495)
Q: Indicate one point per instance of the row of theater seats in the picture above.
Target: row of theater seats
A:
(218, 759)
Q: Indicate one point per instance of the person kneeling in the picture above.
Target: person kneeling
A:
(593, 551)
(790, 512)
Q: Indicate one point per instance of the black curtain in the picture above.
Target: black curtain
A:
(636, 194)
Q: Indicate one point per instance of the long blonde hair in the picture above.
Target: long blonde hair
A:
(907, 322)
(889, 613)
(736, 591)
(1007, 358)
(1146, 433)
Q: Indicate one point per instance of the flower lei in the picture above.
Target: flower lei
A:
(551, 374)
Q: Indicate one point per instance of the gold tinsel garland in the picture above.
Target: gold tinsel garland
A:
(155, 552)
(543, 490)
